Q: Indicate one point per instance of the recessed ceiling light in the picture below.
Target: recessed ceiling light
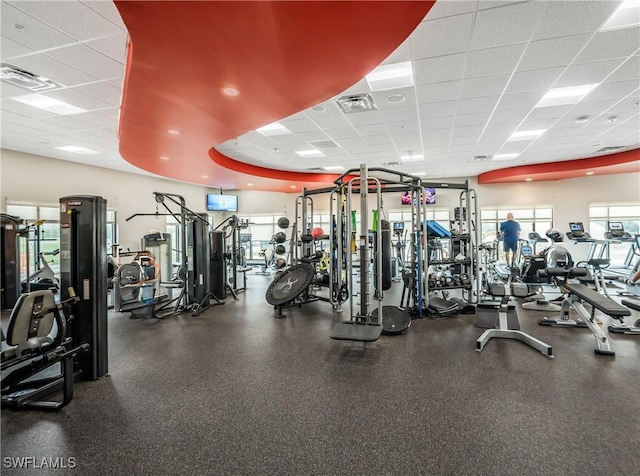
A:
(390, 76)
(318, 109)
(582, 119)
(174, 132)
(273, 129)
(527, 135)
(333, 168)
(499, 157)
(18, 26)
(250, 184)
(205, 176)
(77, 150)
(563, 96)
(626, 15)
(293, 186)
(590, 173)
(412, 158)
(309, 153)
(395, 98)
(164, 157)
(229, 91)
(528, 179)
(612, 119)
(48, 104)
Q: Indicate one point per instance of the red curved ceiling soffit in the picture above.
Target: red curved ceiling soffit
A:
(282, 56)
(619, 163)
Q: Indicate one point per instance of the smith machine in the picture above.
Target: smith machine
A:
(195, 275)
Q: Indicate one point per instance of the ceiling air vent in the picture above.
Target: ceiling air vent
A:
(315, 169)
(324, 144)
(612, 148)
(26, 80)
(481, 158)
(391, 164)
(356, 103)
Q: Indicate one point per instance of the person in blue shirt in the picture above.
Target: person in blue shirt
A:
(510, 231)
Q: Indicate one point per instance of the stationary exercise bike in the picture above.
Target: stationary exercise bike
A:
(44, 278)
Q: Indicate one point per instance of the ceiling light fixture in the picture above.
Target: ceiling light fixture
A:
(590, 173)
(164, 157)
(309, 153)
(231, 92)
(526, 135)
(395, 98)
(528, 179)
(205, 176)
(48, 104)
(293, 186)
(412, 158)
(334, 168)
(582, 120)
(250, 184)
(273, 129)
(390, 76)
(564, 96)
(77, 150)
(174, 132)
(499, 157)
(319, 109)
(612, 119)
(626, 15)
(18, 26)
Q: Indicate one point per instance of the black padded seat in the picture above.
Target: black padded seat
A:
(597, 300)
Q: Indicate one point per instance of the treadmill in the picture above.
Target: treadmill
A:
(617, 234)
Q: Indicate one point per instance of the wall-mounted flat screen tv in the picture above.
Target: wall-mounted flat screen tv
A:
(222, 203)
(429, 196)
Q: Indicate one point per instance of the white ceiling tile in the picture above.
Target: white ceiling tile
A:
(487, 86)
(611, 44)
(520, 100)
(476, 105)
(341, 133)
(112, 113)
(506, 25)
(552, 52)
(102, 90)
(426, 39)
(407, 113)
(36, 34)
(564, 18)
(75, 98)
(478, 119)
(509, 116)
(114, 46)
(380, 98)
(628, 70)
(86, 59)
(587, 73)
(438, 92)
(434, 123)
(51, 68)
(401, 54)
(367, 117)
(12, 48)
(107, 9)
(64, 17)
(8, 117)
(534, 80)
(371, 129)
(447, 8)
(299, 125)
(493, 61)
(437, 70)
(549, 112)
(613, 90)
(437, 109)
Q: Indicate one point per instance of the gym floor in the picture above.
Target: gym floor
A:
(237, 391)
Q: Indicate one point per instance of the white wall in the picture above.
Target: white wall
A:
(36, 180)
(39, 180)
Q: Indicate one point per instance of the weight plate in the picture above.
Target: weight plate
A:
(290, 284)
(394, 319)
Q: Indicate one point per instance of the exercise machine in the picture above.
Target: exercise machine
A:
(509, 330)
(10, 235)
(560, 269)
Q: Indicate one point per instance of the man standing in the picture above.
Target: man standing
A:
(510, 231)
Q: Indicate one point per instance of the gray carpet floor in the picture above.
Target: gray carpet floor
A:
(236, 391)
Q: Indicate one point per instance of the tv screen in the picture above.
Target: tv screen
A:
(616, 226)
(222, 203)
(429, 196)
(576, 227)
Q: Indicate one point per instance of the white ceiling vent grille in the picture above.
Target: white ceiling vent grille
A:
(324, 144)
(26, 80)
(611, 149)
(356, 103)
(481, 158)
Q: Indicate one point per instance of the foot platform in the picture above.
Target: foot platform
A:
(349, 330)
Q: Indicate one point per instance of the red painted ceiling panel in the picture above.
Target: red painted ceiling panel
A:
(282, 56)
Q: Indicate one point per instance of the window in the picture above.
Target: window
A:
(599, 218)
(530, 219)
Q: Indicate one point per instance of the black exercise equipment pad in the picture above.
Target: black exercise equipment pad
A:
(597, 300)
(350, 330)
(290, 284)
(394, 319)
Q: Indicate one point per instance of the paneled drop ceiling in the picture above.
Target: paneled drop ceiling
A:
(480, 70)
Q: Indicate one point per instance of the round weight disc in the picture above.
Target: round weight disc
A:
(280, 237)
(394, 319)
(280, 249)
(290, 284)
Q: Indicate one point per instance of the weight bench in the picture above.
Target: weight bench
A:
(578, 293)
